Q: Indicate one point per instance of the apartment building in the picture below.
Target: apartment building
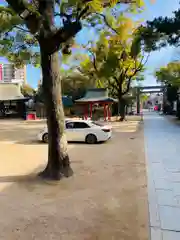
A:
(11, 80)
(10, 74)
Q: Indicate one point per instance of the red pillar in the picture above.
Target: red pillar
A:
(105, 112)
(91, 108)
(109, 112)
(85, 112)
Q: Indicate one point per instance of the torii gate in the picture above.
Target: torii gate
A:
(152, 89)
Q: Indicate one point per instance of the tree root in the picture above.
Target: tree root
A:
(121, 119)
(57, 174)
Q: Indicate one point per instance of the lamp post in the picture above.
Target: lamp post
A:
(31, 19)
(24, 15)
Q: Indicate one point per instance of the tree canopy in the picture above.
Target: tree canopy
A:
(170, 74)
(161, 31)
(73, 83)
(19, 39)
(116, 59)
(27, 90)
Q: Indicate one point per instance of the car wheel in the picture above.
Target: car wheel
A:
(91, 139)
(45, 138)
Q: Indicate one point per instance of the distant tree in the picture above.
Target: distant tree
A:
(27, 90)
(75, 84)
(39, 93)
(170, 77)
(161, 31)
(144, 97)
(170, 74)
(116, 59)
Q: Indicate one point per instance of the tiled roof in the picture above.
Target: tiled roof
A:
(96, 95)
(9, 91)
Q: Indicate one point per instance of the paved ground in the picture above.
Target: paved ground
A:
(162, 138)
(106, 199)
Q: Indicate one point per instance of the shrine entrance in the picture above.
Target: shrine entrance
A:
(148, 89)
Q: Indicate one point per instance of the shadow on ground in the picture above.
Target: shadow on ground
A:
(105, 199)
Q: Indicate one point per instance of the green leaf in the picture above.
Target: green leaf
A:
(169, 74)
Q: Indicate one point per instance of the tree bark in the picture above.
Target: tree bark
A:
(122, 106)
(58, 165)
(121, 102)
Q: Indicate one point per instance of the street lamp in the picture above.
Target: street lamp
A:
(24, 15)
(31, 19)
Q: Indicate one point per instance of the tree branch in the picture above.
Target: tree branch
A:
(122, 76)
(115, 78)
(104, 5)
(83, 13)
(80, 70)
(112, 84)
(128, 86)
(137, 69)
(107, 23)
(94, 60)
(53, 43)
(22, 29)
(31, 19)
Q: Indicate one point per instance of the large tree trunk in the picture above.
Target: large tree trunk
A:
(122, 106)
(58, 165)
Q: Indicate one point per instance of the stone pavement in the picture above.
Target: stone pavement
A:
(162, 143)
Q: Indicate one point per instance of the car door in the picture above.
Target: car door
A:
(80, 130)
(70, 131)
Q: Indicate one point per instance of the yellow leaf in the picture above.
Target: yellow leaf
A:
(96, 5)
(113, 2)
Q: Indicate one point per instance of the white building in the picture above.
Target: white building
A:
(10, 74)
(11, 80)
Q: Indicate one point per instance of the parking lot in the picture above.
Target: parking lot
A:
(90, 205)
(25, 132)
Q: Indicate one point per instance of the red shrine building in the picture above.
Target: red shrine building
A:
(94, 97)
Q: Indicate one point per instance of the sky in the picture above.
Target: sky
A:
(167, 54)
(156, 59)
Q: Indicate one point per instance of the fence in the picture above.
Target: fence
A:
(41, 112)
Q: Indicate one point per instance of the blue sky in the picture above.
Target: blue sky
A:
(156, 59)
(165, 55)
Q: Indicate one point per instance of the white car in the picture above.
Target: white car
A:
(82, 131)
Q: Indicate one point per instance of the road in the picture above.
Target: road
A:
(162, 138)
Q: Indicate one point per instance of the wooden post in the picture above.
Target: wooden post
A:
(109, 112)
(85, 111)
(105, 112)
(91, 107)
(138, 100)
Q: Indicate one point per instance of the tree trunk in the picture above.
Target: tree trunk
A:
(58, 165)
(122, 106)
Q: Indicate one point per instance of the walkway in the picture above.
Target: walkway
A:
(162, 140)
